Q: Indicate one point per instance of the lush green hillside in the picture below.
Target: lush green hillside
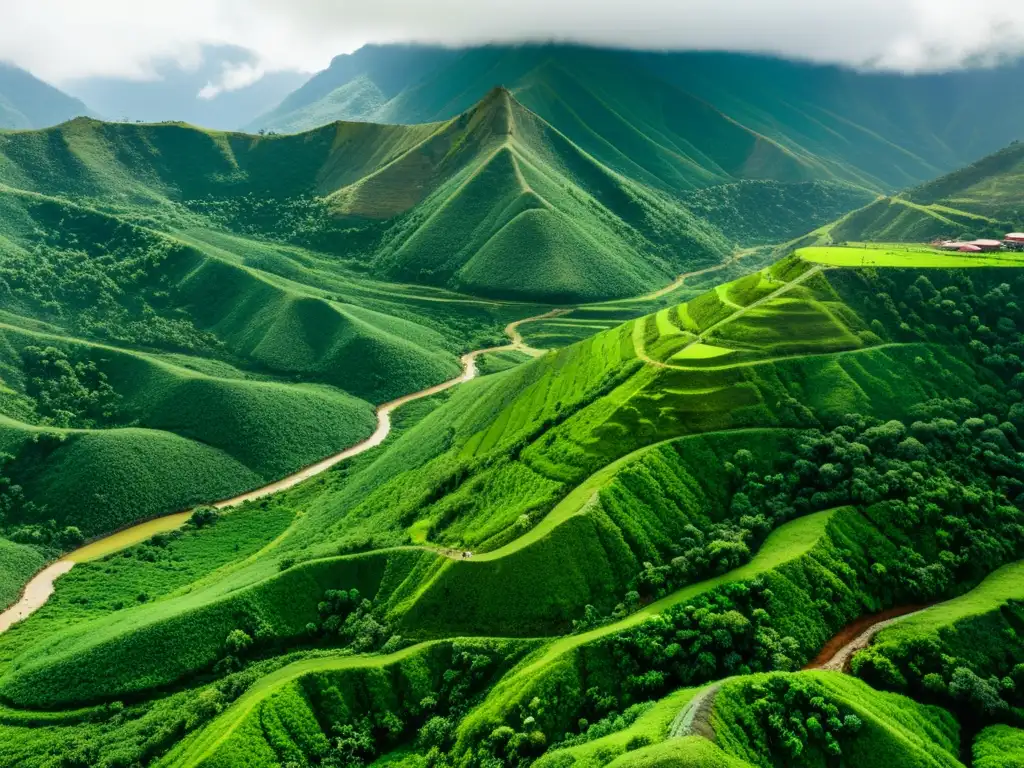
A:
(28, 102)
(495, 202)
(999, 747)
(981, 200)
(687, 118)
(161, 350)
(710, 491)
(811, 719)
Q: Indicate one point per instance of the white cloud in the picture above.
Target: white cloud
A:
(66, 39)
(233, 77)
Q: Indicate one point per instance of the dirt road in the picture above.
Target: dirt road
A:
(41, 586)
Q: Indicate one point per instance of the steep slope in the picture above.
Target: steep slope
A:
(614, 110)
(499, 203)
(693, 118)
(354, 87)
(982, 199)
(712, 491)
(28, 102)
(494, 202)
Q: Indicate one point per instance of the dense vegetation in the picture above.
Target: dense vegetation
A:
(698, 486)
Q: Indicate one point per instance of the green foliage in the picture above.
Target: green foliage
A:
(814, 719)
(758, 212)
(18, 562)
(998, 746)
(69, 393)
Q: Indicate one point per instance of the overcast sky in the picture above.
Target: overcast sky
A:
(61, 40)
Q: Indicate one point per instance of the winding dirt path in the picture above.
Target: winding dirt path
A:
(41, 586)
(694, 719)
(702, 337)
(857, 635)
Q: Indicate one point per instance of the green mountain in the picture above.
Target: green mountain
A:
(687, 119)
(494, 202)
(759, 502)
(980, 200)
(160, 351)
(28, 102)
(666, 521)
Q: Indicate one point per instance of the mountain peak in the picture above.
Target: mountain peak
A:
(496, 112)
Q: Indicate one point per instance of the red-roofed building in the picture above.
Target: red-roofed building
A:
(987, 245)
(969, 248)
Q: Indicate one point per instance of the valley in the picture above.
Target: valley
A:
(574, 412)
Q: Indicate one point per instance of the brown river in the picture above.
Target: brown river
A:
(41, 586)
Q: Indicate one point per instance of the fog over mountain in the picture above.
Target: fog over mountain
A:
(60, 40)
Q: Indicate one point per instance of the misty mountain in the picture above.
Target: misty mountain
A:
(185, 94)
(28, 102)
(881, 130)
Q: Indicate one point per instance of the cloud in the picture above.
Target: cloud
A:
(66, 39)
(233, 77)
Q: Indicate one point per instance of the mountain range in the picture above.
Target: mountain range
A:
(688, 118)
(28, 102)
(194, 94)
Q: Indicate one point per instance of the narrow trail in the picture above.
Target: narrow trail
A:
(638, 333)
(856, 636)
(39, 589)
(675, 284)
(694, 719)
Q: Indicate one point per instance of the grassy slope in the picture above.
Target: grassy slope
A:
(786, 544)
(980, 200)
(193, 438)
(435, 203)
(565, 417)
(95, 244)
(513, 206)
(1002, 587)
(896, 730)
(999, 746)
(595, 401)
(905, 256)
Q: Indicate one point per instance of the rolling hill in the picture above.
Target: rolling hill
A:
(708, 493)
(748, 451)
(28, 102)
(691, 118)
(980, 200)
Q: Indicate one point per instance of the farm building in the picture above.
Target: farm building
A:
(987, 245)
(1014, 241)
(969, 248)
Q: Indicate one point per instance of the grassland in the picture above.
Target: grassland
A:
(903, 256)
